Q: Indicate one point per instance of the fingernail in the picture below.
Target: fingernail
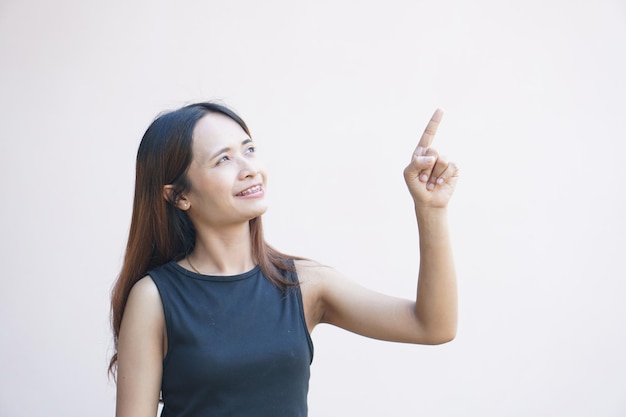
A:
(426, 159)
(439, 180)
(423, 178)
(430, 186)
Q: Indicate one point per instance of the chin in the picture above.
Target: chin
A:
(259, 211)
(262, 211)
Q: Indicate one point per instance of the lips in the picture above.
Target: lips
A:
(251, 190)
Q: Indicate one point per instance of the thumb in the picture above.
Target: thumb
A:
(422, 162)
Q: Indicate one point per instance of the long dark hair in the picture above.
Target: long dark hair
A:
(159, 231)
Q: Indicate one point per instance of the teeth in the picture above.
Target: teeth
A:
(250, 190)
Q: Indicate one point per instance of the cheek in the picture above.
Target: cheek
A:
(214, 187)
(261, 169)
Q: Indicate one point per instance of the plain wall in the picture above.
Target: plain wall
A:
(336, 94)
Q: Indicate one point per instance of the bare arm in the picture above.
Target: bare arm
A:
(436, 300)
(429, 319)
(140, 352)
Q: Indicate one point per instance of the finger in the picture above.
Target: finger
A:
(426, 172)
(438, 169)
(429, 132)
(418, 165)
(450, 172)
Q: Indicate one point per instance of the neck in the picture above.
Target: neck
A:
(227, 251)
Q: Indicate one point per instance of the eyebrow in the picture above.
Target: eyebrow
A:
(221, 151)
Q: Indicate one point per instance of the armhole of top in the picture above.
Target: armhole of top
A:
(293, 277)
(155, 277)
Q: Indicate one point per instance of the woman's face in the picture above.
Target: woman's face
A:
(227, 179)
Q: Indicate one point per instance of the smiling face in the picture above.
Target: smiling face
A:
(227, 179)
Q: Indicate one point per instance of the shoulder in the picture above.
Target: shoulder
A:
(312, 277)
(145, 289)
(327, 293)
(144, 301)
(312, 272)
(317, 278)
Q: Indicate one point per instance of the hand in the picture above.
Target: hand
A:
(431, 178)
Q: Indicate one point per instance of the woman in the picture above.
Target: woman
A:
(218, 322)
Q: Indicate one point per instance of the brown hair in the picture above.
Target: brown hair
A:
(160, 232)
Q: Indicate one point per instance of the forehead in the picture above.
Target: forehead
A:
(216, 130)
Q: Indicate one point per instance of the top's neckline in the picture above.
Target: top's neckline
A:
(221, 278)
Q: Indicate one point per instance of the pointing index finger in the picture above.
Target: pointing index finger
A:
(431, 130)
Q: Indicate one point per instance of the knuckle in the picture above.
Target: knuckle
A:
(432, 152)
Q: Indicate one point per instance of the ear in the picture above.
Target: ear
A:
(181, 201)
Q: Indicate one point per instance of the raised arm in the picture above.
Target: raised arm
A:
(429, 319)
(431, 180)
(140, 352)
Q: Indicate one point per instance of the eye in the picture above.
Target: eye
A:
(223, 159)
(251, 149)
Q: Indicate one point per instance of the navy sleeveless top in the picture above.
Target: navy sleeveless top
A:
(237, 345)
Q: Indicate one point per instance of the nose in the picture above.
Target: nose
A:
(247, 168)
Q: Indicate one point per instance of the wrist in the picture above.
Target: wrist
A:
(433, 213)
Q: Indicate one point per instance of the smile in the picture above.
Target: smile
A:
(252, 190)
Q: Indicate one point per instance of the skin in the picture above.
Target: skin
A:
(225, 164)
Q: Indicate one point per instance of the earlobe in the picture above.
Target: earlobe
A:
(180, 202)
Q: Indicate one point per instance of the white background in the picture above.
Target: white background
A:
(336, 94)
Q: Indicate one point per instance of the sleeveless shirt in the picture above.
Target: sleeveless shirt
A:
(236, 345)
